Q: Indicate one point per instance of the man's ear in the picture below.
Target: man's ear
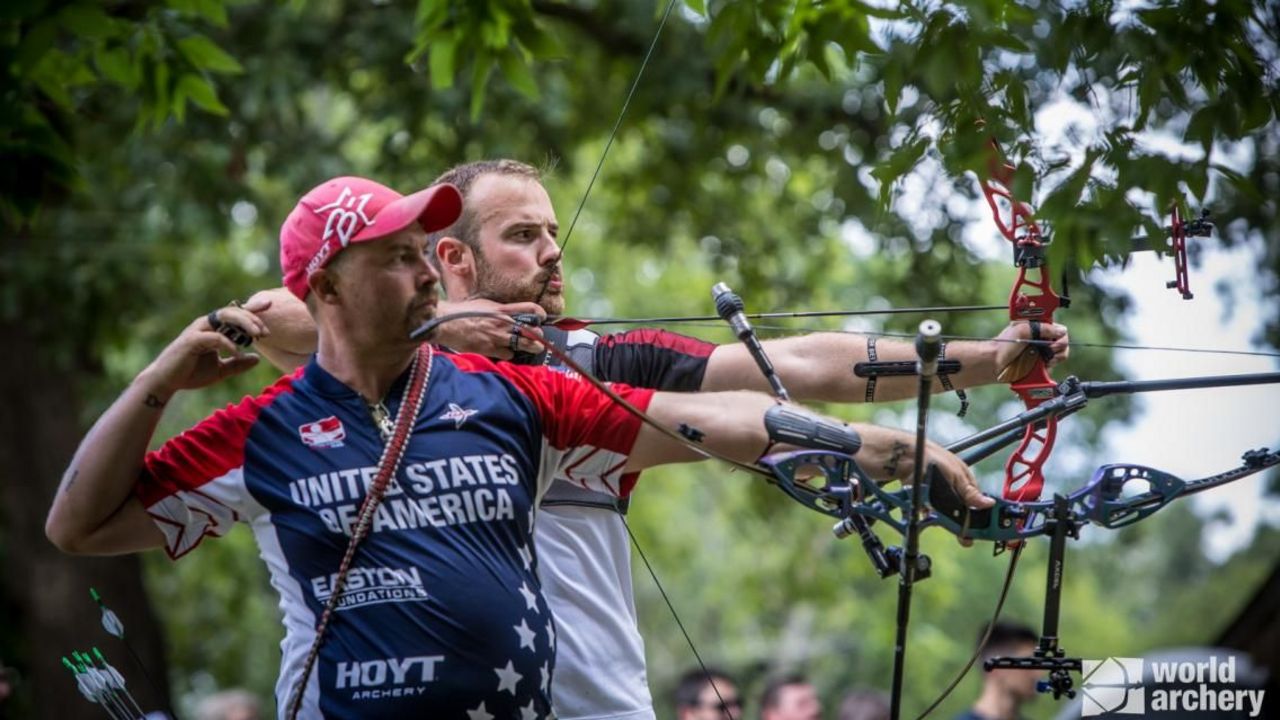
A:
(324, 286)
(455, 258)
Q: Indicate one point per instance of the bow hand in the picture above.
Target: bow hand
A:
(1016, 357)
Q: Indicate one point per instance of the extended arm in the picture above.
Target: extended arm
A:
(292, 337)
(820, 366)
(732, 424)
(95, 511)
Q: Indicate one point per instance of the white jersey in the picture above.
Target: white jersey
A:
(583, 549)
(584, 563)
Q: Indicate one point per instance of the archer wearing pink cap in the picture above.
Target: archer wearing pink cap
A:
(348, 210)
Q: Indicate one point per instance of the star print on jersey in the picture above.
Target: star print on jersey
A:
(479, 713)
(526, 635)
(526, 556)
(458, 414)
(508, 677)
(528, 713)
(530, 598)
(546, 677)
(551, 634)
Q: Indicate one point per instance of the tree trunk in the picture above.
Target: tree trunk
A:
(44, 593)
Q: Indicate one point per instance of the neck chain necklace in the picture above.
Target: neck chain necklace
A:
(382, 419)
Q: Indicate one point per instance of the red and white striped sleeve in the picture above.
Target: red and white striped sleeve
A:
(193, 486)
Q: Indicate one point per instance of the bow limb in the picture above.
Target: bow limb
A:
(1033, 299)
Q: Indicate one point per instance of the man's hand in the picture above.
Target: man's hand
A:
(202, 356)
(488, 336)
(889, 454)
(958, 474)
(1015, 358)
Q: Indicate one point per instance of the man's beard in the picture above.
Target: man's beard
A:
(492, 286)
(421, 311)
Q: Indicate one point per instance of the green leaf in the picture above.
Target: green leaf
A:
(516, 71)
(884, 13)
(1201, 126)
(495, 30)
(115, 65)
(215, 11)
(179, 104)
(1196, 175)
(479, 79)
(543, 43)
(52, 86)
(206, 55)
(87, 20)
(897, 165)
(894, 78)
(34, 45)
(160, 85)
(431, 13)
(442, 61)
(1008, 41)
(200, 92)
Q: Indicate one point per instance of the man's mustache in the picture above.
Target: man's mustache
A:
(549, 275)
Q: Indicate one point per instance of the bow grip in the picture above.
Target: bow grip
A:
(1000, 522)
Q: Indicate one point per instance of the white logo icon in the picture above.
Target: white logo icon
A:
(1113, 685)
(346, 215)
(458, 414)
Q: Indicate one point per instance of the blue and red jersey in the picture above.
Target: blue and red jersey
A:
(443, 615)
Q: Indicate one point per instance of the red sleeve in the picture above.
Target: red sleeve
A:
(590, 434)
(193, 486)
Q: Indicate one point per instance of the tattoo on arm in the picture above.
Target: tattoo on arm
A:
(153, 401)
(895, 455)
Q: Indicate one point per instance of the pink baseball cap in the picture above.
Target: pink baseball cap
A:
(349, 210)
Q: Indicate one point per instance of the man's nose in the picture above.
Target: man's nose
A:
(428, 271)
(549, 252)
